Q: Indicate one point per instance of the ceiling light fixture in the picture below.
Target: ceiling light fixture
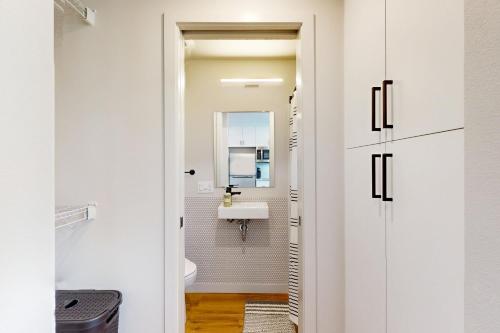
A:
(251, 81)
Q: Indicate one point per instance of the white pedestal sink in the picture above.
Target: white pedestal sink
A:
(241, 210)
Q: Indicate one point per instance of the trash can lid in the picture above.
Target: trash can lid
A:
(87, 307)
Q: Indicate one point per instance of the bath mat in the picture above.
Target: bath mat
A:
(267, 317)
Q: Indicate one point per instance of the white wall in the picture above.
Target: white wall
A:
(205, 95)
(27, 166)
(109, 148)
(482, 166)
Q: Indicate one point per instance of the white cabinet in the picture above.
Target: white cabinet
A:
(249, 136)
(262, 136)
(406, 254)
(426, 235)
(241, 136)
(365, 242)
(404, 257)
(234, 136)
(364, 69)
(425, 60)
(417, 48)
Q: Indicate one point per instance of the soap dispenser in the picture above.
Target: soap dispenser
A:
(228, 198)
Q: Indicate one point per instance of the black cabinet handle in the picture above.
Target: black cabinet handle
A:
(384, 177)
(374, 109)
(374, 176)
(385, 83)
(191, 172)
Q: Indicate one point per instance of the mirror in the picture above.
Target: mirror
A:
(244, 149)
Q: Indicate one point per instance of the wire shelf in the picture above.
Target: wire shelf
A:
(69, 215)
(87, 14)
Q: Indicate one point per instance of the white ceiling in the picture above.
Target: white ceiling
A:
(196, 49)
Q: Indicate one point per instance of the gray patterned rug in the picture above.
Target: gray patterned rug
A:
(267, 317)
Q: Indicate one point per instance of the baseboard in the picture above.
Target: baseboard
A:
(261, 288)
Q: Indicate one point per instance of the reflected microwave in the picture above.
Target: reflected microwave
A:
(262, 154)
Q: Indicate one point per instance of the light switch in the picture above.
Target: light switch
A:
(205, 186)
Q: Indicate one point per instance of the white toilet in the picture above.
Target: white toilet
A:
(189, 272)
(189, 277)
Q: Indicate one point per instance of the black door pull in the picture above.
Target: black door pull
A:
(384, 177)
(191, 172)
(374, 176)
(374, 109)
(385, 83)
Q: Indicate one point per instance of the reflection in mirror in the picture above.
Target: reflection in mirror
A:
(244, 148)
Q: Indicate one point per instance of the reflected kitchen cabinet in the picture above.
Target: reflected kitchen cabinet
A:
(244, 143)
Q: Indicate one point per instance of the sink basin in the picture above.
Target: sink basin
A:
(244, 211)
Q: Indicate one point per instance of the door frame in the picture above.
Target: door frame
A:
(173, 134)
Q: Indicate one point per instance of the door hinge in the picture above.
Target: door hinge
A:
(300, 220)
(182, 221)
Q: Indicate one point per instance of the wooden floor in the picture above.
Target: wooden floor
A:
(221, 313)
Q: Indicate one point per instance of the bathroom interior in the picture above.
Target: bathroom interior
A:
(238, 156)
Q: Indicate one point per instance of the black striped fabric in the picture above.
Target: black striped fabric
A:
(293, 265)
(293, 141)
(293, 280)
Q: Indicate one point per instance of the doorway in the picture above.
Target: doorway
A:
(176, 32)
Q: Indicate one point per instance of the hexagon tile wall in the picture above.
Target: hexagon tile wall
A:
(226, 263)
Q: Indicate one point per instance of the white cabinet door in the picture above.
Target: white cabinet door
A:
(365, 234)
(364, 68)
(249, 137)
(425, 60)
(425, 225)
(241, 136)
(262, 136)
(235, 136)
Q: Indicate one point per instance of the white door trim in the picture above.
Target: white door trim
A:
(173, 61)
(173, 85)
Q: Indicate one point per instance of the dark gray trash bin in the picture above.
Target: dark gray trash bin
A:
(87, 311)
